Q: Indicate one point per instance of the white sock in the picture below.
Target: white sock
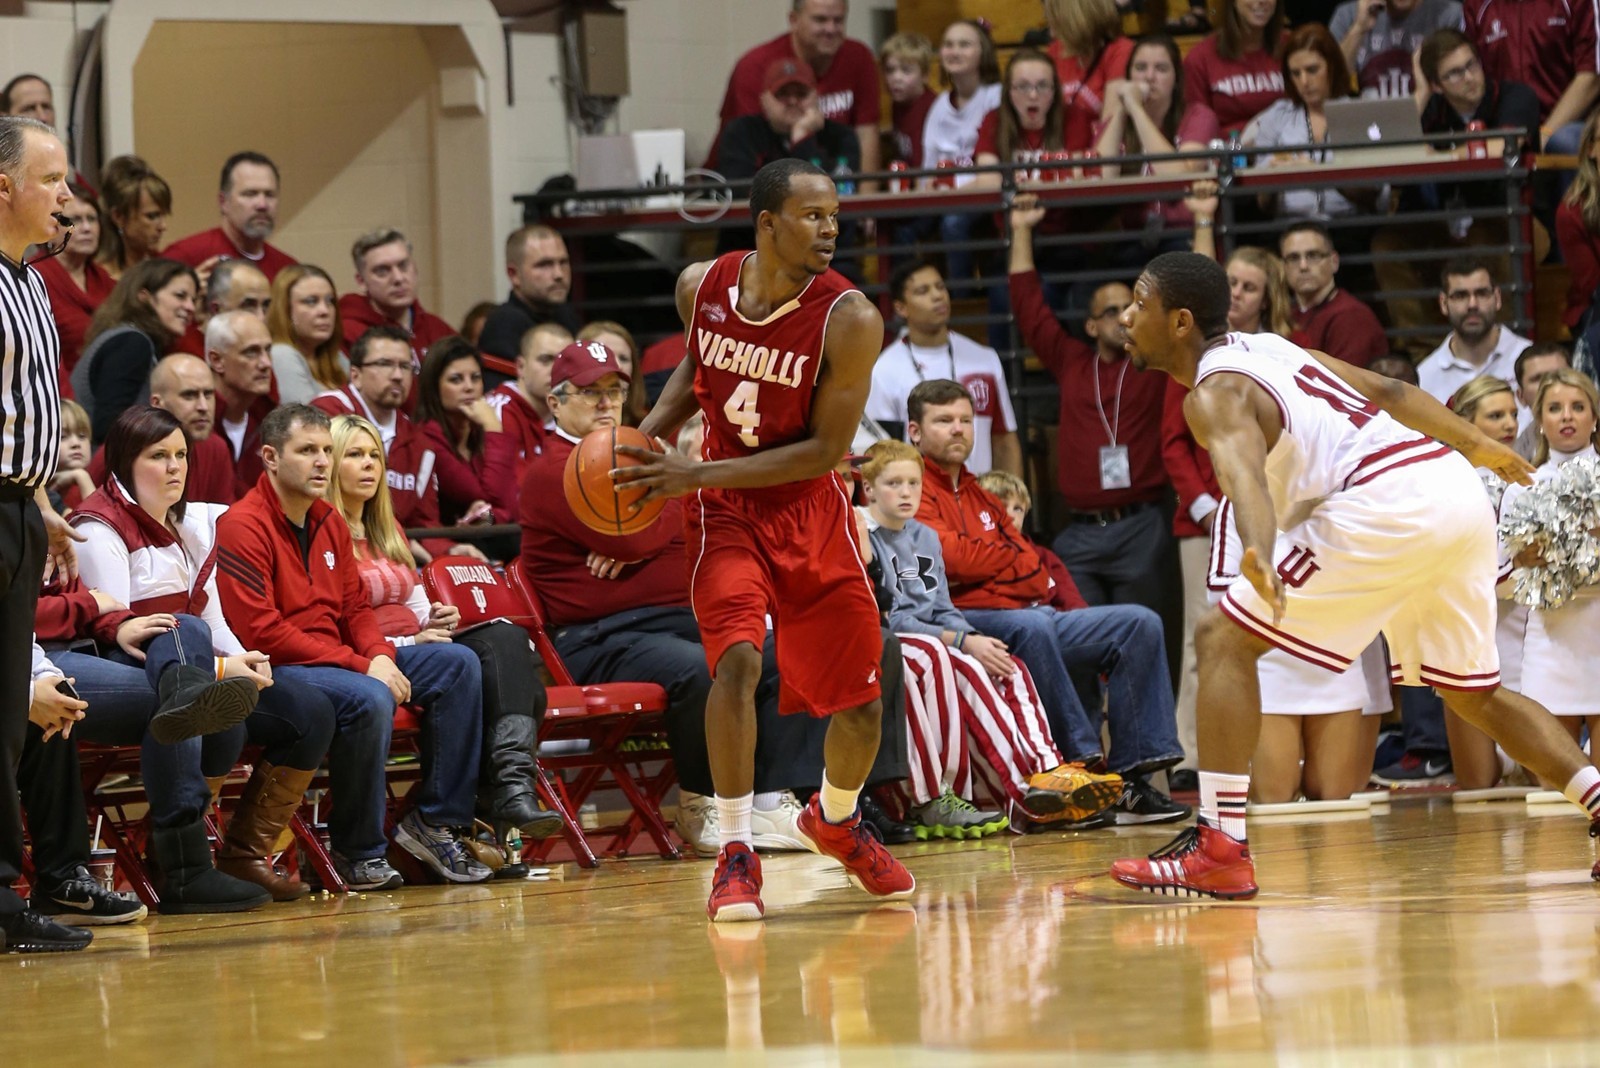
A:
(733, 819)
(1584, 789)
(768, 800)
(837, 805)
(1222, 801)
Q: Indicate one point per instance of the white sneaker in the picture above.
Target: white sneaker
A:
(697, 823)
(774, 831)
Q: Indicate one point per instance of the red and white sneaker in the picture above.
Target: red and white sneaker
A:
(736, 887)
(1200, 862)
(870, 866)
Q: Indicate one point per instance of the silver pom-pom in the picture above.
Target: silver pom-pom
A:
(1556, 518)
(1494, 486)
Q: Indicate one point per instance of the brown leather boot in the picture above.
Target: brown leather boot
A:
(269, 800)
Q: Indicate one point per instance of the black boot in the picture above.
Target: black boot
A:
(508, 780)
(195, 703)
(190, 882)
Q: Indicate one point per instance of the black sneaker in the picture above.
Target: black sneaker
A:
(29, 932)
(1183, 781)
(81, 901)
(882, 826)
(1413, 770)
(1143, 803)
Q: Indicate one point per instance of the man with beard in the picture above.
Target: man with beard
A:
(248, 199)
(1469, 297)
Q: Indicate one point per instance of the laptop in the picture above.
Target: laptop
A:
(1378, 121)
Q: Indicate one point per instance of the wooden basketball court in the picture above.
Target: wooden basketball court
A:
(1433, 934)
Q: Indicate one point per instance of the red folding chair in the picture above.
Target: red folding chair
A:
(605, 716)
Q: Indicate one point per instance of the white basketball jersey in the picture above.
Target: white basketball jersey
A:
(1333, 437)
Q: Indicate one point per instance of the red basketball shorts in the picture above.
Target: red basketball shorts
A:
(794, 561)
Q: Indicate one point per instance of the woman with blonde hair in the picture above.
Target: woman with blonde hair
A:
(307, 336)
(1089, 51)
(619, 340)
(138, 204)
(513, 697)
(1578, 225)
(1258, 285)
(1490, 404)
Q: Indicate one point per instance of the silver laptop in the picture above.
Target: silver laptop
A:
(1378, 121)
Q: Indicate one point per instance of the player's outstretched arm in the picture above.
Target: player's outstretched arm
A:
(677, 402)
(1422, 413)
(1227, 413)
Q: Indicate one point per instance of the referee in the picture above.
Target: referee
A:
(33, 187)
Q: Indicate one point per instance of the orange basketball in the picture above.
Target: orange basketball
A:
(591, 494)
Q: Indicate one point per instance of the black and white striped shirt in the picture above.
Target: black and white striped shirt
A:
(30, 391)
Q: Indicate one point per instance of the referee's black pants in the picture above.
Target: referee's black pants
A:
(22, 553)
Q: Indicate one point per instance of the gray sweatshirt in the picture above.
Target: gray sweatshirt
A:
(913, 572)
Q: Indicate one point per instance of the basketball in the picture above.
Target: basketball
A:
(591, 494)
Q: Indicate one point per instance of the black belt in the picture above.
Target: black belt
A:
(12, 492)
(1107, 516)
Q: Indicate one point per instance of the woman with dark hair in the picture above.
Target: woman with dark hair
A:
(1235, 70)
(76, 283)
(150, 308)
(1027, 126)
(146, 548)
(476, 461)
(138, 204)
(513, 699)
(1315, 70)
(307, 337)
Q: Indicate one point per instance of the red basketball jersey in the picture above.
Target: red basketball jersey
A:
(755, 381)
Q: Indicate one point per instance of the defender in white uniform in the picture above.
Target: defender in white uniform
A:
(1357, 516)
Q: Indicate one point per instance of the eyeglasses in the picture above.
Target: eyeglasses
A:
(615, 395)
(1456, 75)
(1032, 88)
(387, 365)
(1308, 259)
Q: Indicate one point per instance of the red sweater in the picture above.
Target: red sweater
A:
(988, 563)
(1236, 90)
(66, 612)
(1188, 465)
(197, 248)
(491, 475)
(1580, 248)
(311, 610)
(72, 308)
(210, 471)
(556, 548)
(1077, 368)
(1343, 327)
(521, 421)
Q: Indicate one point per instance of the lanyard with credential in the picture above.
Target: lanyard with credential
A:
(917, 367)
(1115, 470)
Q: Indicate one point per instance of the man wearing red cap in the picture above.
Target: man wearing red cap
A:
(845, 76)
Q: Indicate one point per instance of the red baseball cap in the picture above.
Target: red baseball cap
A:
(782, 72)
(584, 363)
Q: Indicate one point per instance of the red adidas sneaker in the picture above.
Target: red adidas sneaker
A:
(736, 888)
(1200, 862)
(870, 866)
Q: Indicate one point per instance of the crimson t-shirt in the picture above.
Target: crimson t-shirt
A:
(1236, 90)
(1083, 89)
(1540, 43)
(909, 120)
(848, 89)
(197, 248)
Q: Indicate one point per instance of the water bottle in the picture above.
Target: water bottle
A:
(842, 179)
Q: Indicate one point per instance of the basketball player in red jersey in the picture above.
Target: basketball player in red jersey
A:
(780, 355)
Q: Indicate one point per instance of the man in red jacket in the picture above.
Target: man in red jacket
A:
(289, 585)
(524, 402)
(1003, 588)
(380, 379)
(386, 271)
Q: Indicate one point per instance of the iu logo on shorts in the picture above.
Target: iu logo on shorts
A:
(1298, 567)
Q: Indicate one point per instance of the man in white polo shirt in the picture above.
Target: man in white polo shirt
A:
(1477, 345)
(928, 348)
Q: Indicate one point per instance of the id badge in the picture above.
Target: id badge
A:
(1115, 473)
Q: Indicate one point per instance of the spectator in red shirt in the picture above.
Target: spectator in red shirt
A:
(906, 60)
(1028, 125)
(846, 74)
(1578, 226)
(76, 283)
(523, 403)
(1326, 317)
(248, 197)
(1118, 539)
(1089, 52)
(307, 334)
(1235, 70)
(541, 277)
(138, 204)
(1552, 46)
(239, 350)
(386, 272)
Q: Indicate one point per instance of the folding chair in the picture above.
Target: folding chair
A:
(605, 716)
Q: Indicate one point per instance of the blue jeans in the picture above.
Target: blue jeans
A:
(447, 681)
(1122, 642)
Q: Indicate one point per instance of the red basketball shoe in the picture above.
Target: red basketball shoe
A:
(870, 866)
(736, 888)
(1200, 862)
